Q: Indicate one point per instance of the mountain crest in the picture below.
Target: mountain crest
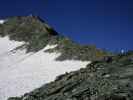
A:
(30, 29)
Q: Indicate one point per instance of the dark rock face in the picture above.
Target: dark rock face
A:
(72, 50)
(30, 29)
(26, 25)
(100, 80)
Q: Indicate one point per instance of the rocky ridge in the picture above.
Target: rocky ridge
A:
(36, 34)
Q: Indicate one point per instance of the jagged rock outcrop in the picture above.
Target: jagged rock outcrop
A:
(30, 29)
(108, 79)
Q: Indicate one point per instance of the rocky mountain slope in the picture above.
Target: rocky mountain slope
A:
(108, 79)
(32, 54)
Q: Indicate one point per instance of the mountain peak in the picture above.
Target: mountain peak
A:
(26, 24)
(31, 17)
(30, 29)
(36, 33)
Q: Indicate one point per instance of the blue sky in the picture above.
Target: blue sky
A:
(106, 23)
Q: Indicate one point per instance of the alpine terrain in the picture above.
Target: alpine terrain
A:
(38, 63)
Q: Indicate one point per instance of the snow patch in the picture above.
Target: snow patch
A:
(50, 47)
(2, 21)
(33, 72)
(10, 58)
(7, 45)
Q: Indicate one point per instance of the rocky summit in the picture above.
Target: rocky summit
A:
(30, 29)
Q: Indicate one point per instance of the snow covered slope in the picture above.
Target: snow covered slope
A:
(7, 45)
(21, 72)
